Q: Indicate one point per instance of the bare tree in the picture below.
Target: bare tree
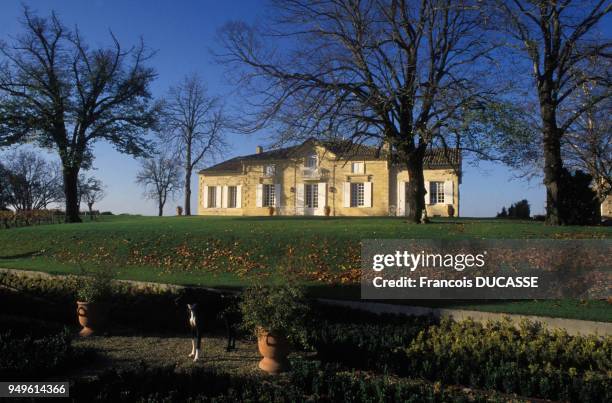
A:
(91, 190)
(33, 182)
(194, 122)
(387, 72)
(160, 177)
(558, 39)
(62, 94)
(4, 188)
(587, 145)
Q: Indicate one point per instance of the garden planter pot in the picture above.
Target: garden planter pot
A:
(274, 348)
(91, 316)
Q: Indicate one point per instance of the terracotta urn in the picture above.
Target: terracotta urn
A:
(91, 317)
(274, 348)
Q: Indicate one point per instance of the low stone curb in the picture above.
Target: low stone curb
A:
(571, 326)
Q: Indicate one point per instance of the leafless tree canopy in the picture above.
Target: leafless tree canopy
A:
(372, 71)
(160, 177)
(587, 145)
(560, 40)
(91, 191)
(32, 182)
(62, 94)
(194, 123)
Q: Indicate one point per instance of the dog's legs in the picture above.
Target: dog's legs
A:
(231, 339)
(197, 350)
(192, 348)
(193, 337)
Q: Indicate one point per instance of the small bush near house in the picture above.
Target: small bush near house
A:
(581, 205)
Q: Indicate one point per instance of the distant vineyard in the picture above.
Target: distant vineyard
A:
(10, 219)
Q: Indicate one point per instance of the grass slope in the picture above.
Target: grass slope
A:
(232, 251)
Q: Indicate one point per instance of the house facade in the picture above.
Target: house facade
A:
(310, 178)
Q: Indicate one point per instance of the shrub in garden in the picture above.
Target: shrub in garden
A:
(361, 339)
(529, 361)
(308, 382)
(150, 308)
(277, 309)
(24, 356)
(94, 285)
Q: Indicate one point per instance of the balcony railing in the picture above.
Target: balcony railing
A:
(311, 173)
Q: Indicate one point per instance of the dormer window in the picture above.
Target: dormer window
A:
(311, 161)
(269, 170)
(357, 168)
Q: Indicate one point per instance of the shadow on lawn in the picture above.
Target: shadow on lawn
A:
(19, 255)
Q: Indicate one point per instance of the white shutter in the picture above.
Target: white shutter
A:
(277, 195)
(401, 198)
(218, 196)
(239, 196)
(448, 192)
(322, 195)
(346, 194)
(367, 194)
(259, 195)
(224, 196)
(428, 194)
(205, 196)
(299, 198)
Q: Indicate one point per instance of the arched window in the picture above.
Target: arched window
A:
(311, 161)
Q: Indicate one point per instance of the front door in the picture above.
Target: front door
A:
(311, 198)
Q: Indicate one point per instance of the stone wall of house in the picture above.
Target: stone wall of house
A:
(333, 173)
(606, 208)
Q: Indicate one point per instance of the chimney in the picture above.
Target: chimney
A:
(386, 146)
(258, 150)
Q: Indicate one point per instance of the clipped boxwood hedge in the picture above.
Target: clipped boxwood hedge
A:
(33, 355)
(308, 382)
(148, 308)
(529, 360)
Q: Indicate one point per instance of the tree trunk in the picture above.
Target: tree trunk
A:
(160, 211)
(90, 207)
(415, 188)
(553, 169)
(71, 192)
(188, 191)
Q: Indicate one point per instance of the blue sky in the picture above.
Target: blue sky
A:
(183, 33)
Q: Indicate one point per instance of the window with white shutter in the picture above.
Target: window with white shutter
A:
(357, 194)
(436, 192)
(232, 196)
(212, 196)
(269, 196)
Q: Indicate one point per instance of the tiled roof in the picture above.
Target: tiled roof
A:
(434, 158)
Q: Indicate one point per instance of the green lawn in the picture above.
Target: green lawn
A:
(232, 251)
